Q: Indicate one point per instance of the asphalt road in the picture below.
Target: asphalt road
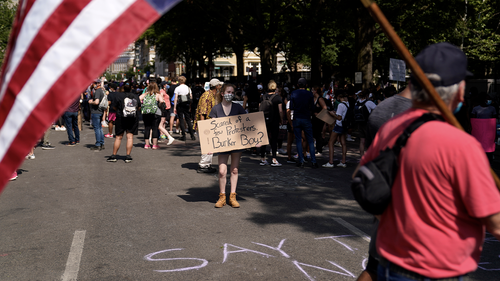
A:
(70, 213)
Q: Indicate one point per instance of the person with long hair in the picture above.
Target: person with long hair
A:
(149, 101)
(225, 107)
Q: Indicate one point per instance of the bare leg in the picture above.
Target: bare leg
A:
(130, 142)
(222, 172)
(110, 127)
(155, 141)
(344, 147)
(367, 276)
(171, 124)
(333, 138)
(289, 142)
(361, 146)
(235, 164)
(116, 145)
(161, 127)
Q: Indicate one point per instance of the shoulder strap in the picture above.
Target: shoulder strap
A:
(403, 138)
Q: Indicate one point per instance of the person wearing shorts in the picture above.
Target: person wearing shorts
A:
(129, 125)
(338, 130)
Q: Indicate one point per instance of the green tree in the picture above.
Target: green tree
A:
(7, 15)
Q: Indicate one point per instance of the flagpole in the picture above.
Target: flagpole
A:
(417, 72)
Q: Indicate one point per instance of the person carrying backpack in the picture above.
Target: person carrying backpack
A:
(182, 107)
(338, 130)
(270, 104)
(126, 105)
(150, 100)
(362, 110)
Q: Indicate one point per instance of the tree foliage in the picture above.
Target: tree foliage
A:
(335, 37)
(7, 15)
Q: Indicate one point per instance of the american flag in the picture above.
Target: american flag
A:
(56, 48)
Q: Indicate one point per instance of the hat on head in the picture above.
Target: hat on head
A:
(445, 60)
(302, 82)
(260, 87)
(215, 82)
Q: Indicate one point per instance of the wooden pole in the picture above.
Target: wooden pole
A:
(417, 72)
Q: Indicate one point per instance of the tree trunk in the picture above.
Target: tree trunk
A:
(239, 64)
(265, 61)
(365, 33)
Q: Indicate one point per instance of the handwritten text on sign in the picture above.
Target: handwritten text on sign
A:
(233, 132)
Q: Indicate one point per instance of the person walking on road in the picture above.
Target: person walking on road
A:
(182, 107)
(444, 196)
(302, 103)
(205, 105)
(226, 107)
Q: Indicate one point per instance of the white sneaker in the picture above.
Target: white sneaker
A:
(282, 151)
(343, 165)
(328, 165)
(104, 124)
(170, 140)
(30, 156)
(275, 163)
(338, 144)
(349, 138)
(264, 163)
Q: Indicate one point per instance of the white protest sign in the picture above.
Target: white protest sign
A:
(397, 70)
(358, 77)
(232, 132)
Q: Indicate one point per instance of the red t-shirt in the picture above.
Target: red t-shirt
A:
(443, 187)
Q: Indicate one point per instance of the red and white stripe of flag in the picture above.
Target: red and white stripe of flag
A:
(56, 49)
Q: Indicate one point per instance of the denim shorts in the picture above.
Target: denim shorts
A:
(338, 129)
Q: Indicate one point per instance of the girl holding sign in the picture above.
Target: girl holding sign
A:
(225, 107)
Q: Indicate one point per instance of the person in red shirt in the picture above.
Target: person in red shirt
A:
(443, 196)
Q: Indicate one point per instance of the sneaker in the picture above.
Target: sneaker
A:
(14, 176)
(155, 147)
(30, 156)
(170, 140)
(275, 163)
(290, 161)
(209, 169)
(177, 131)
(315, 165)
(112, 158)
(71, 144)
(170, 132)
(282, 151)
(147, 146)
(95, 148)
(163, 137)
(296, 156)
(109, 136)
(47, 146)
(349, 138)
(104, 124)
(183, 138)
(338, 144)
(300, 164)
(263, 163)
(77, 142)
(328, 165)
(343, 165)
(193, 137)
(102, 147)
(128, 159)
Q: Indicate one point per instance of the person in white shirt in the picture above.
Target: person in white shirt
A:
(370, 105)
(182, 107)
(338, 130)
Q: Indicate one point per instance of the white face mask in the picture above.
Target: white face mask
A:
(229, 97)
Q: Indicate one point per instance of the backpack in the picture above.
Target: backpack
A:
(349, 116)
(266, 106)
(149, 105)
(361, 112)
(129, 107)
(372, 183)
(103, 105)
(184, 98)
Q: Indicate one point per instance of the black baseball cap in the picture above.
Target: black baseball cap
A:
(445, 60)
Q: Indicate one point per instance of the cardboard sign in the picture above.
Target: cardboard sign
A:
(326, 117)
(233, 132)
(397, 70)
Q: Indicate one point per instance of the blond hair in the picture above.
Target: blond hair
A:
(271, 86)
(153, 88)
